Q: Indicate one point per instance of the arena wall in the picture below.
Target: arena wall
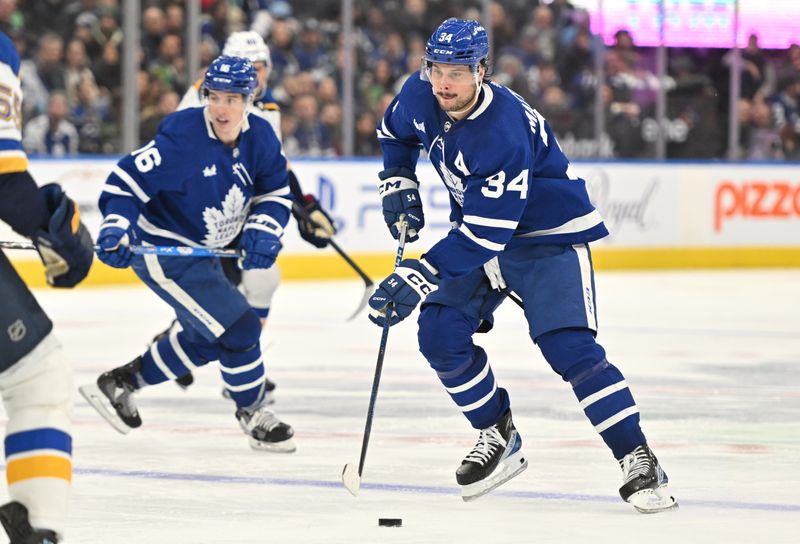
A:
(660, 215)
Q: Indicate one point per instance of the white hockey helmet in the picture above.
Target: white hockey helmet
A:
(248, 44)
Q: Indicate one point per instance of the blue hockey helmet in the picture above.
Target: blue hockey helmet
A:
(457, 41)
(231, 75)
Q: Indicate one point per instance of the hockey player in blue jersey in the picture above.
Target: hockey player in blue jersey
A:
(315, 225)
(522, 222)
(35, 379)
(211, 176)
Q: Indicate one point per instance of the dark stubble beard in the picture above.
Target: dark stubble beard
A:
(457, 106)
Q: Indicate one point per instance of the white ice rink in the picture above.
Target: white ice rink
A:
(712, 358)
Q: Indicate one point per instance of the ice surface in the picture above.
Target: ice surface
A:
(712, 358)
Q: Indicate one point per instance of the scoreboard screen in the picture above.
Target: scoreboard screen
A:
(697, 23)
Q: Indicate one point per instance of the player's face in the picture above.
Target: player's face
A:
(453, 85)
(262, 73)
(226, 111)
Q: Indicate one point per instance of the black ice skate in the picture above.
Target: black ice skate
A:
(14, 517)
(495, 459)
(645, 483)
(265, 431)
(112, 396)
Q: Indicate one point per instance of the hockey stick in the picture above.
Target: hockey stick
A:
(172, 251)
(367, 280)
(516, 299)
(351, 478)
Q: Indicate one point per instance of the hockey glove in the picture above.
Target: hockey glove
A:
(260, 242)
(399, 190)
(113, 239)
(66, 247)
(315, 225)
(410, 283)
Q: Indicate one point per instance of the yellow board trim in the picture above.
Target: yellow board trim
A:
(38, 466)
(326, 265)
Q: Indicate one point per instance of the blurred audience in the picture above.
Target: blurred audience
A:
(544, 50)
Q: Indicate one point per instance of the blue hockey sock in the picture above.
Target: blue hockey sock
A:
(609, 405)
(243, 374)
(173, 356)
(600, 387)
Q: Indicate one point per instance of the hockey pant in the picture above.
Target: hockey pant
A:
(37, 394)
(217, 323)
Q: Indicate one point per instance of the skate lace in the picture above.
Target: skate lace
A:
(263, 419)
(488, 443)
(637, 463)
(125, 396)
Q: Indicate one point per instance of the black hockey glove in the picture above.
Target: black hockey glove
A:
(315, 225)
(66, 247)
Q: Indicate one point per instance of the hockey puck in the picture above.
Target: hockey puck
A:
(390, 522)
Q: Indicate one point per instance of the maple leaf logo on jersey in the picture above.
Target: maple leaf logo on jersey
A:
(222, 225)
(453, 183)
(209, 171)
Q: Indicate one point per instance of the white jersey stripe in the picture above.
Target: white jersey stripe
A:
(483, 242)
(129, 181)
(114, 190)
(150, 228)
(489, 222)
(279, 199)
(578, 224)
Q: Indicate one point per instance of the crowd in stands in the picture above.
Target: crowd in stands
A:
(71, 74)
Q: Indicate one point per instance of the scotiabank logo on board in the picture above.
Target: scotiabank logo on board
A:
(756, 200)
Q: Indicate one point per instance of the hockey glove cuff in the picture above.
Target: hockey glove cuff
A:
(66, 247)
(399, 190)
(260, 243)
(113, 239)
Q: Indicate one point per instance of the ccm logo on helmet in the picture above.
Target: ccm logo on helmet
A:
(442, 52)
(756, 200)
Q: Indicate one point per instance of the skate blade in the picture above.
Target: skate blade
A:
(98, 401)
(286, 446)
(509, 468)
(653, 501)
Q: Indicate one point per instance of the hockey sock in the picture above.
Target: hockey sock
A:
(173, 356)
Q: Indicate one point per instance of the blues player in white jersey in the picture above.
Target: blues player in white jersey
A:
(522, 223)
(315, 225)
(35, 379)
(213, 176)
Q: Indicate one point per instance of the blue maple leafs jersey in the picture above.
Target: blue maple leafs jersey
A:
(186, 187)
(509, 181)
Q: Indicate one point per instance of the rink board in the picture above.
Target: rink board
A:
(660, 215)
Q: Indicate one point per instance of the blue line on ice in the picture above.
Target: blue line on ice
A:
(431, 490)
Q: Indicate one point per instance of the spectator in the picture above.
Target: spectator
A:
(366, 144)
(76, 70)
(148, 127)
(51, 133)
(91, 119)
(313, 138)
